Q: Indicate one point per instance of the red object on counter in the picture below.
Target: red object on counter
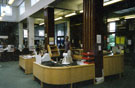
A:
(88, 53)
(89, 62)
(88, 58)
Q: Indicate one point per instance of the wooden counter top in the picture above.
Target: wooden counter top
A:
(113, 55)
(65, 67)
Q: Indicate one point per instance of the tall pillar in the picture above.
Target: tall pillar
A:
(92, 31)
(20, 26)
(49, 26)
(31, 32)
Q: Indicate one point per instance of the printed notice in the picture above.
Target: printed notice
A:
(99, 47)
(129, 42)
(98, 39)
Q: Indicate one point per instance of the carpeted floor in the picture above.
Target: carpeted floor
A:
(11, 76)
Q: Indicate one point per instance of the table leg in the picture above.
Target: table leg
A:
(42, 84)
(71, 85)
(33, 77)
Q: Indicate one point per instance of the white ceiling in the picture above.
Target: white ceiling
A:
(69, 4)
(62, 8)
(17, 2)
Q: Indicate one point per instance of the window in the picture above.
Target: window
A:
(6, 10)
(22, 8)
(25, 33)
(33, 2)
(112, 27)
(41, 32)
(111, 42)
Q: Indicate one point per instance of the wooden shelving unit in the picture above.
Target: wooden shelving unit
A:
(53, 51)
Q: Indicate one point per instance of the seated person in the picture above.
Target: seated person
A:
(25, 51)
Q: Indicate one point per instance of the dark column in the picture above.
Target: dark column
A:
(49, 24)
(92, 30)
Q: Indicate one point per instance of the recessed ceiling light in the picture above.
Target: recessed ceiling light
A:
(81, 11)
(41, 24)
(59, 18)
(71, 14)
(112, 19)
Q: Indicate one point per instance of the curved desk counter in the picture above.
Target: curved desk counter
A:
(63, 75)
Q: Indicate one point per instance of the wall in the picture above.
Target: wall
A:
(39, 40)
(31, 10)
(37, 28)
(13, 37)
(14, 17)
(76, 28)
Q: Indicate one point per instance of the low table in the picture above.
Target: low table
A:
(26, 64)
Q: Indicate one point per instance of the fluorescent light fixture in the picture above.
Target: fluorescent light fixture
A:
(59, 18)
(71, 14)
(41, 24)
(10, 2)
(40, 19)
(81, 11)
(129, 17)
(113, 19)
(111, 2)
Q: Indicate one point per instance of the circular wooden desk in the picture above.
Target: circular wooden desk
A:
(63, 75)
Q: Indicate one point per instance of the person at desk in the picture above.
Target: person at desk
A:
(67, 44)
(25, 50)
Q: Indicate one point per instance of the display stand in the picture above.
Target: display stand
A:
(53, 51)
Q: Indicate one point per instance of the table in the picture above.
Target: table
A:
(26, 64)
(63, 75)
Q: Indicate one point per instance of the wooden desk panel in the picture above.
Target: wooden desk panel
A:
(26, 64)
(113, 64)
(64, 75)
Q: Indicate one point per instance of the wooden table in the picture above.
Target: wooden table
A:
(26, 64)
(63, 75)
(113, 64)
